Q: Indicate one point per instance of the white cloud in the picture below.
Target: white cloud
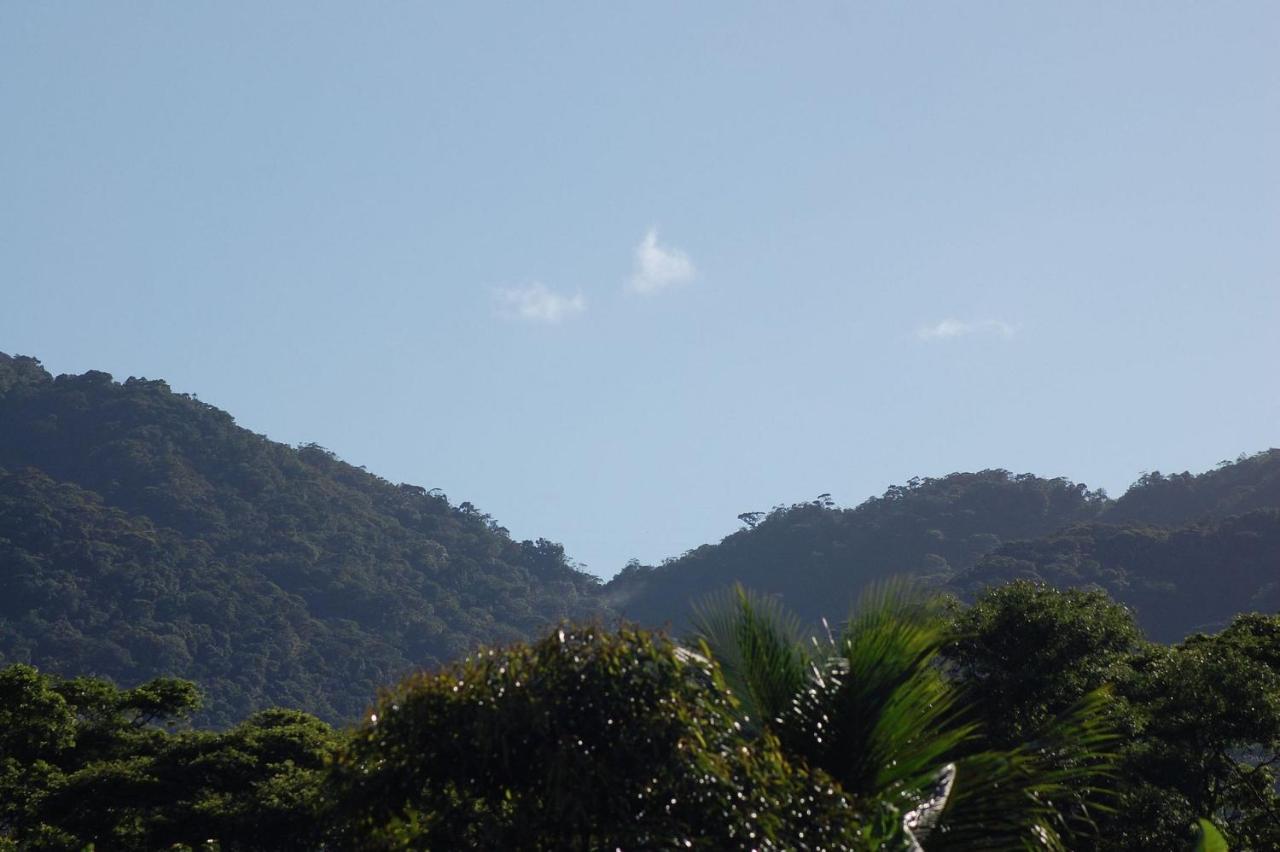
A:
(538, 303)
(951, 328)
(659, 267)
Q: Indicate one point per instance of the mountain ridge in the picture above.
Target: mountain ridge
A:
(951, 532)
(144, 533)
(388, 577)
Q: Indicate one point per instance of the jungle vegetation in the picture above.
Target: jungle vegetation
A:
(1060, 669)
(144, 534)
(1034, 719)
(1186, 552)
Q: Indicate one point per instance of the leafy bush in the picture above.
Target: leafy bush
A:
(588, 739)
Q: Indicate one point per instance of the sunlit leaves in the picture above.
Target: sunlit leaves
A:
(876, 711)
(1209, 839)
(588, 739)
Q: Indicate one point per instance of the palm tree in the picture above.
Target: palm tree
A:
(873, 707)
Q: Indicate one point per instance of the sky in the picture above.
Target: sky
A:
(618, 272)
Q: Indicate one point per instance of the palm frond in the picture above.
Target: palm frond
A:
(873, 708)
(1208, 838)
(877, 714)
(758, 645)
(1036, 796)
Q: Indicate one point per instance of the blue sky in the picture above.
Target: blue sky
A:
(618, 272)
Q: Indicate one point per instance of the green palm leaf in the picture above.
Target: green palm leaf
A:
(1209, 839)
(877, 713)
(874, 709)
(1036, 796)
(759, 648)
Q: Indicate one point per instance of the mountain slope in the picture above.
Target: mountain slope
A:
(818, 557)
(143, 533)
(1232, 488)
(1186, 551)
(1177, 580)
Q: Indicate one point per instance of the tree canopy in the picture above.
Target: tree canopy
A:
(1187, 552)
(1034, 719)
(143, 533)
(818, 557)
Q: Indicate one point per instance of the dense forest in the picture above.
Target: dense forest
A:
(817, 557)
(1187, 552)
(1033, 719)
(211, 640)
(1177, 580)
(143, 533)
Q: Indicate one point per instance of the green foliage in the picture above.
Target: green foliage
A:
(588, 739)
(35, 721)
(876, 712)
(1026, 653)
(83, 762)
(1176, 580)
(1200, 721)
(143, 533)
(1045, 793)
(929, 528)
(1186, 552)
(1210, 738)
(1249, 483)
(758, 646)
(37, 727)
(1210, 839)
(915, 727)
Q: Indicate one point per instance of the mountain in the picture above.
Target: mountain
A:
(144, 533)
(817, 557)
(1185, 551)
(1232, 488)
(1191, 578)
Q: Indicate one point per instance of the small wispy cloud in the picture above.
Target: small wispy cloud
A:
(536, 302)
(951, 328)
(659, 267)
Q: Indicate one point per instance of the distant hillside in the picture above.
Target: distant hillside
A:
(1186, 551)
(1178, 580)
(1232, 488)
(817, 557)
(143, 532)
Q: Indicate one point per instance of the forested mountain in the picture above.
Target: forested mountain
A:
(1186, 551)
(1179, 580)
(144, 533)
(817, 557)
(1232, 488)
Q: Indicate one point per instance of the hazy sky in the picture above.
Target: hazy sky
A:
(618, 272)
